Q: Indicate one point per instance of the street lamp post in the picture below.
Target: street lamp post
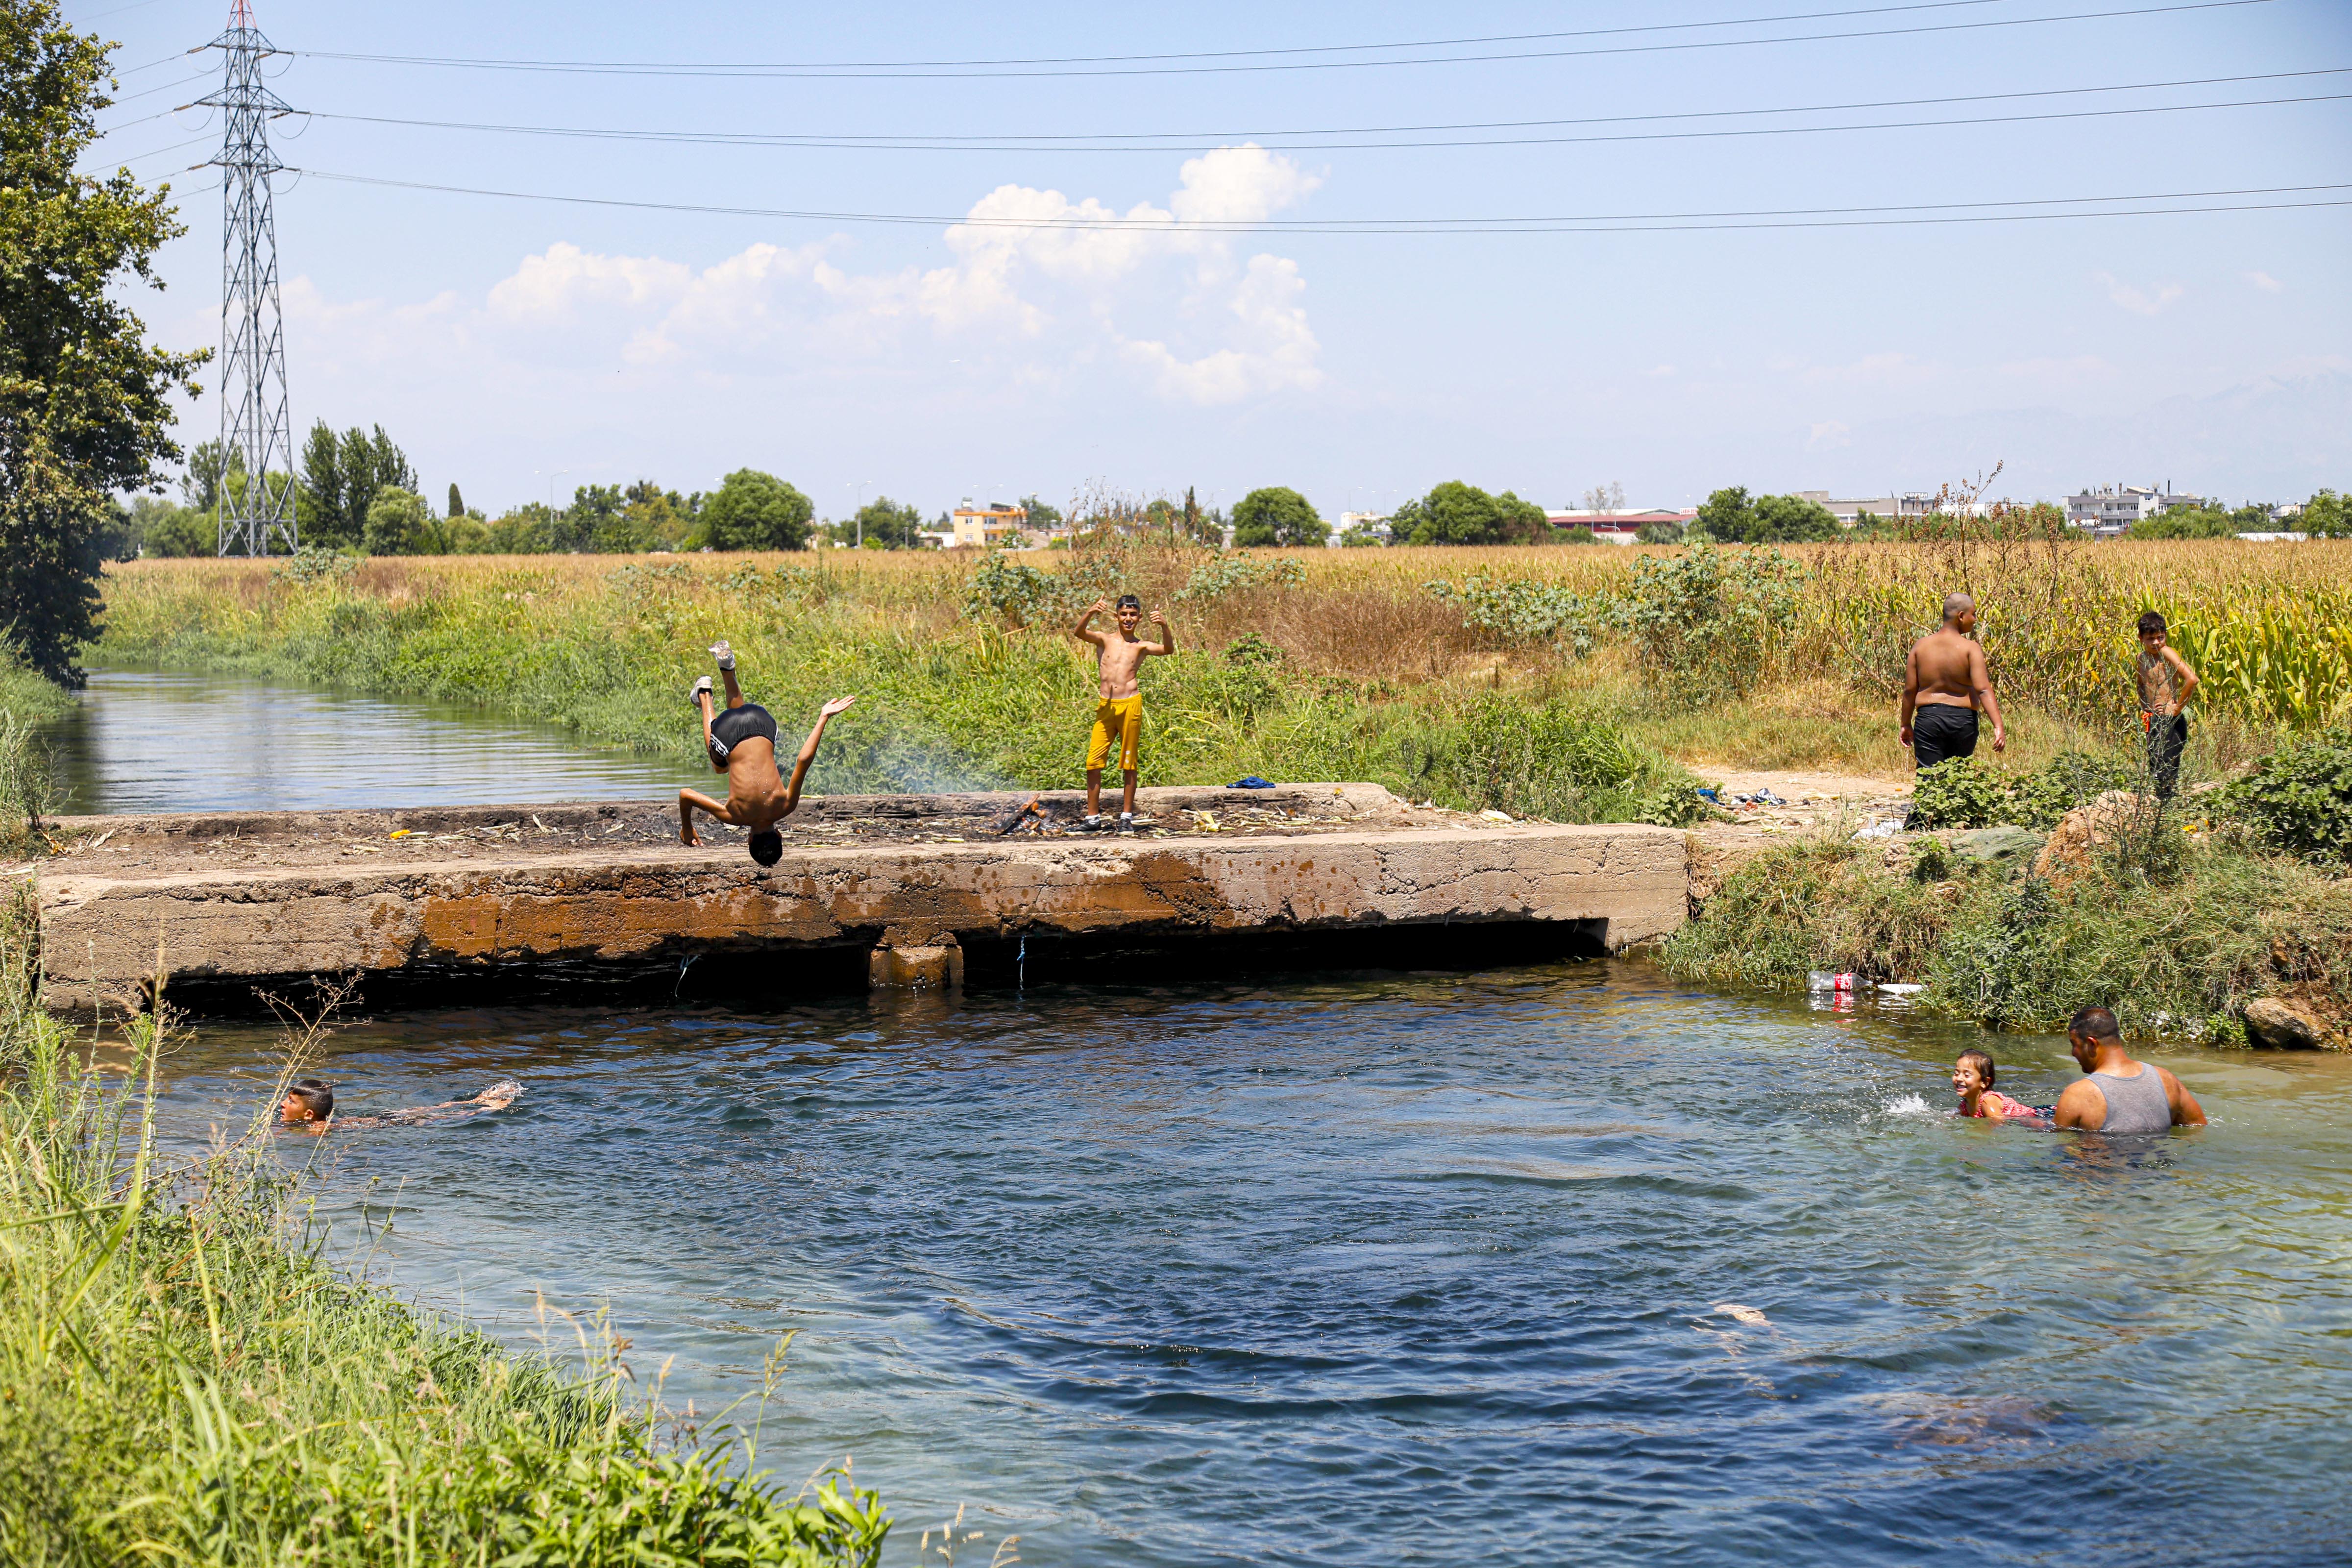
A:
(860, 488)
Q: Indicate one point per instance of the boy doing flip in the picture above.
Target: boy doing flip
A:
(1118, 717)
(741, 744)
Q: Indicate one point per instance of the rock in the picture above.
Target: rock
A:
(2007, 848)
(2082, 830)
(2282, 1024)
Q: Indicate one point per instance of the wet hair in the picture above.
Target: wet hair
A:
(767, 847)
(1958, 605)
(316, 1097)
(2094, 1024)
(1982, 1063)
(1127, 599)
(2151, 624)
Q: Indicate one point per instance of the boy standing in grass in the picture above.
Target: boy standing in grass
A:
(1119, 713)
(2166, 684)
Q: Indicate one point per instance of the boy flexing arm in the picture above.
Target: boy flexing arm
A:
(1119, 654)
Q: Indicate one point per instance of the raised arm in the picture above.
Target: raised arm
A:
(808, 749)
(1980, 677)
(1081, 630)
(1167, 635)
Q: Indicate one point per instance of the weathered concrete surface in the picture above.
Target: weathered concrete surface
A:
(286, 899)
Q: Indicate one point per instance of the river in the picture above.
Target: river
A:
(1562, 1265)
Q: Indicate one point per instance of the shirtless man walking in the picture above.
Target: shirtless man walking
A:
(1944, 683)
(2119, 1094)
(1119, 715)
(741, 744)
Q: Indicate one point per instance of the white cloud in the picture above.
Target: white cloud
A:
(2265, 281)
(1041, 286)
(2140, 301)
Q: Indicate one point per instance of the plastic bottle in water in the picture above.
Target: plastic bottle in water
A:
(1823, 980)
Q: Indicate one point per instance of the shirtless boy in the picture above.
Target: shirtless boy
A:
(2165, 685)
(2118, 1094)
(1944, 683)
(741, 744)
(1119, 715)
(310, 1105)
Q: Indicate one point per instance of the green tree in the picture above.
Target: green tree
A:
(753, 511)
(1044, 517)
(527, 530)
(397, 523)
(887, 524)
(2325, 516)
(200, 485)
(1658, 533)
(2187, 522)
(1793, 519)
(1458, 514)
(457, 501)
(321, 511)
(1726, 516)
(1277, 515)
(84, 408)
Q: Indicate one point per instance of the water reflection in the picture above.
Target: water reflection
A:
(140, 740)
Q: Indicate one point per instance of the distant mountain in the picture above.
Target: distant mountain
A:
(2273, 440)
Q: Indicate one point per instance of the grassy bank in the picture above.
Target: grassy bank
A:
(184, 1378)
(1574, 684)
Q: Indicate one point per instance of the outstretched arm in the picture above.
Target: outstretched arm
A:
(1167, 635)
(1081, 632)
(689, 801)
(808, 749)
(1981, 675)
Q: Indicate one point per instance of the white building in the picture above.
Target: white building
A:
(1373, 522)
(2110, 508)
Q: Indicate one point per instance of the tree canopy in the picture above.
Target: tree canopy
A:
(1277, 515)
(753, 511)
(1729, 517)
(83, 395)
(887, 524)
(1459, 513)
(341, 476)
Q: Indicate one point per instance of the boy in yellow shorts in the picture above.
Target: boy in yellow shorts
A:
(1118, 717)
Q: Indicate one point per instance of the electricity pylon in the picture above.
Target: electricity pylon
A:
(254, 427)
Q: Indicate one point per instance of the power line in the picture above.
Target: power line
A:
(174, 147)
(1272, 142)
(1644, 223)
(945, 71)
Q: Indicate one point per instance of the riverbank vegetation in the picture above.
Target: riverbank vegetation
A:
(187, 1377)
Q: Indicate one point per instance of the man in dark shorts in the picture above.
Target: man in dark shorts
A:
(741, 744)
(1945, 682)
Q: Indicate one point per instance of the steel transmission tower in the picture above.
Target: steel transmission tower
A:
(254, 425)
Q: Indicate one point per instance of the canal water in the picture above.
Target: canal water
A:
(1565, 1265)
(143, 741)
(1561, 1265)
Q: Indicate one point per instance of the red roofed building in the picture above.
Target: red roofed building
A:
(1618, 527)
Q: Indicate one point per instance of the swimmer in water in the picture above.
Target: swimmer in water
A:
(310, 1105)
(1972, 1080)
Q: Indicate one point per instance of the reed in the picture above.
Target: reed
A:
(186, 1378)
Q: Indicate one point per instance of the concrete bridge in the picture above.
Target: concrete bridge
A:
(431, 906)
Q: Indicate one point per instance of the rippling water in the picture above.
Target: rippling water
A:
(1410, 1270)
(140, 740)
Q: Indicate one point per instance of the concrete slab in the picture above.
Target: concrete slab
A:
(274, 898)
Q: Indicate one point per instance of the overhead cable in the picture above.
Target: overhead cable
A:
(1623, 223)
(944, 71)
(1273, 144)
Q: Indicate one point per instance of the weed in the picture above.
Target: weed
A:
(2298, 800)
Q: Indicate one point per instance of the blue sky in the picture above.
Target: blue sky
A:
(511, 344)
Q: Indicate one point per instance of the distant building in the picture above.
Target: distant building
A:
(1375, 522)
(2108, 510)
(1615, 527)
(986, 527)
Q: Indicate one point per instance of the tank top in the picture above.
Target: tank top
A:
(2134, 1104)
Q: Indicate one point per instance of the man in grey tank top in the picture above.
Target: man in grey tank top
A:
(2120, 1095)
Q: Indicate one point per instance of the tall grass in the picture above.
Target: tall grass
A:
(185, 1378)
(1372, 674)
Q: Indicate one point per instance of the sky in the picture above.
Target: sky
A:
(520, 347)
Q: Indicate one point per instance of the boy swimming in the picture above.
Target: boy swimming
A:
(1118, 717)
(740, 741)
(310, 1105)
(1972, 1080)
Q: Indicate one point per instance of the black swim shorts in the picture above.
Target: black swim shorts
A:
(1941, 732)
(736, 725)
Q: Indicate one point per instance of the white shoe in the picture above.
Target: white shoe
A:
(723, 654)
(1127, 822)
(694, 696)
(1094, 821)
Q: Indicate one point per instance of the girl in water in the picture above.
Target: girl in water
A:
(1972, 1080)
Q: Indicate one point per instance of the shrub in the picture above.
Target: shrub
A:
(1705, 622)
(396, 523)
(1226, 574)
(1515, 610)
(1966, 792)
(1547, 760)
(1813, 905)
(2298, 800)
